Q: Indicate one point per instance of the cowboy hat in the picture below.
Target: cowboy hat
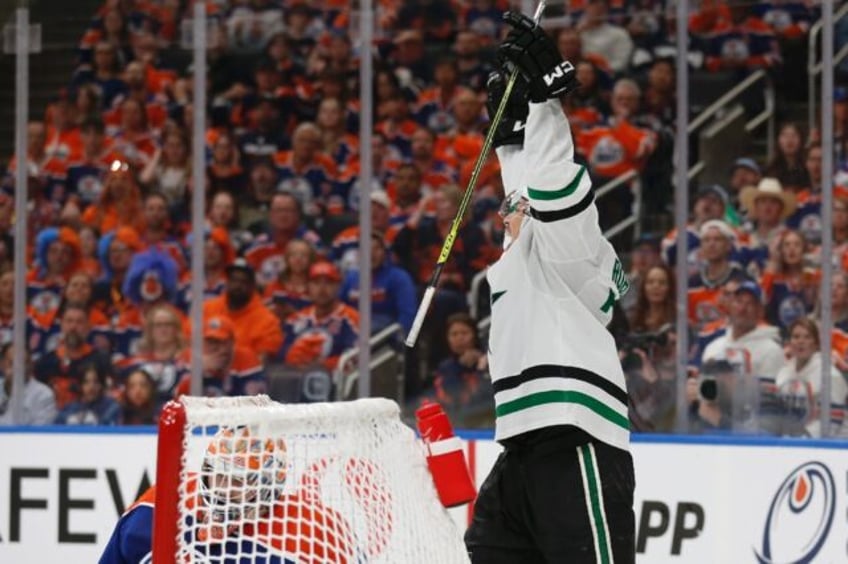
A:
(768, 188)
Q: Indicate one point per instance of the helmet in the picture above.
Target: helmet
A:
(241, 472)
(514, 201)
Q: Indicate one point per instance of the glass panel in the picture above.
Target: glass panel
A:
(111, 112)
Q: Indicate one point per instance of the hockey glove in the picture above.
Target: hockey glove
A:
(510, 130)
(529, 49)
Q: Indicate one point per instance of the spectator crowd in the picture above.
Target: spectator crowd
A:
(110, 183)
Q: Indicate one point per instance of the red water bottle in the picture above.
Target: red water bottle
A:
(445, 456)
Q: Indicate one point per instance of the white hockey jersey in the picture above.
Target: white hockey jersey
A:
(551, 358)
(801, 390)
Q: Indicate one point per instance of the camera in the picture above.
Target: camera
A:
(708, 387)
(642, 341)
(645, 341)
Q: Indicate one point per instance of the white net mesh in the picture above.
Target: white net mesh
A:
(317, 483)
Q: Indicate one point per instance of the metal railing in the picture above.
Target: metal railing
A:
(474, 293)
(696, 170)
(766, 116)
(629, 180)
(344, 381)
(815, 67)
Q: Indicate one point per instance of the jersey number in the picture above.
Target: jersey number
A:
(619, 278)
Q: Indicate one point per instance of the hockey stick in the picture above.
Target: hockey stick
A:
(424, 306)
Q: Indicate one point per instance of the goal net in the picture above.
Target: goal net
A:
(251, 480)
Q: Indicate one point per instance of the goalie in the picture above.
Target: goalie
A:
(562, 490)
(238, 505)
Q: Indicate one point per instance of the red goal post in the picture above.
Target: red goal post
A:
(329, 482)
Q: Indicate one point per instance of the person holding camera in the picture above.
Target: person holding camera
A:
(799, 384)
(711, 396)
(751, 350)
(647, 353)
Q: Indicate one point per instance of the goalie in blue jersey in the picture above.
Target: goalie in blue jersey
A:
(239, 508)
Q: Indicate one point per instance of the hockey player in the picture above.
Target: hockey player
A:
(562, 490)
(238, 507)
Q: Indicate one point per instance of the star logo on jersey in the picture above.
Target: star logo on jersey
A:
(497, 295)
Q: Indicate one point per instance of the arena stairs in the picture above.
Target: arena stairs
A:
(50, 69)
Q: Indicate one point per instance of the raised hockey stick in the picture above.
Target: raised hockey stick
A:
(424, 306)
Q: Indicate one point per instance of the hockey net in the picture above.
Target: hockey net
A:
(251, 480)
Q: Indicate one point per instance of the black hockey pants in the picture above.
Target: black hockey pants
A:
(555, 496)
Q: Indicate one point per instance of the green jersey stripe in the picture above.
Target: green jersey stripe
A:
(557, 194)
(563, 396)
(598, 516)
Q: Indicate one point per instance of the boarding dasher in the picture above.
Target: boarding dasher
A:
(562, 490)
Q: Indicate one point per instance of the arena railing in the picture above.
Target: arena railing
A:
(719, 106)
(815, 66)
(630, 181)
(346, 376)
(474, 294)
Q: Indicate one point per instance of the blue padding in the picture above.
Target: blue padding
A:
(722, 440)
(81, 430)
(736, 440)
(476, 434)
(486, 435)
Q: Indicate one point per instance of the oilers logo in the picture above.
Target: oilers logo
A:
(607, 152)
(800, 516)
(151, 288)
(441, 121)
(706, 312)
(89, 188)
(811, 226)
(349, 260)
(735, 49)
(271, 269)
(800, 406)
(485, 27)
(45, 301)
(778, 19)
(58, 150)
(791, 307)
(300, 187)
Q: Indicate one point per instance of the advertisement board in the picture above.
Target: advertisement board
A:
(61, 493)
(758, 501)
(697, 501)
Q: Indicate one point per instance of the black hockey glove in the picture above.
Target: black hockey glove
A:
(510, 130)
(529, 49)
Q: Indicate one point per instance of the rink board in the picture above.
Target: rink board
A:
(697, 500)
